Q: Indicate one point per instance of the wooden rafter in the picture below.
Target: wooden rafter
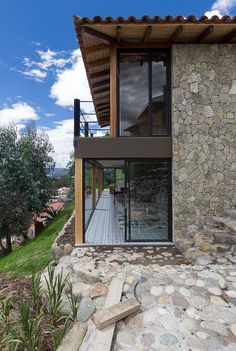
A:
(102, 104)
(95, 48)
(147, 34)
(99, 62)
(101, 91)
(175, 34)
(153, 45)
(96, 35)
(118, 33)
(101, 83)
(100, 74)
(105, 98)
(205, 33)
(103, 111)
(226, 38)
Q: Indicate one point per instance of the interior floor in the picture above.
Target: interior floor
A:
(103, 228)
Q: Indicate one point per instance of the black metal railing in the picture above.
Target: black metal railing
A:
(85, 123)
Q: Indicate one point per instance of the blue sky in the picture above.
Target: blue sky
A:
(41, 70)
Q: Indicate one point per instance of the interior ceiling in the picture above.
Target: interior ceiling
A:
(96, 36)
(112, 163)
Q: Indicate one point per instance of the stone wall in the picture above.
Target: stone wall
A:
(204, 132)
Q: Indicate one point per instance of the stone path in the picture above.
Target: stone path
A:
(184, 307)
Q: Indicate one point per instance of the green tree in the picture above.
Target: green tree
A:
(25, 161)
(71, 176)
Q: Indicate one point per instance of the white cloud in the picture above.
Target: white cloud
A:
(71, 83)
(48, 60)
(221, 8)
(62, 139)
(19, 113)
(36, 74)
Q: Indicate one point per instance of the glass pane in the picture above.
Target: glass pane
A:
(133, 94)
(148, 201)
(159, 120)
(88, 192)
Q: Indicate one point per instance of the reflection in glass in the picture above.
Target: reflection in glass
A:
(159, 125)
(142, 89)
(148, 201)
(88, 192)
(134, 94)
(97, 184)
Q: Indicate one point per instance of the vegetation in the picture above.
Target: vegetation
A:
(25, 187)
(35, 254)
(24, 328)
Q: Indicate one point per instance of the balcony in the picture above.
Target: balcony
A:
(85, 121)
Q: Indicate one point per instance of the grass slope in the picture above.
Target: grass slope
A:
(34, 254)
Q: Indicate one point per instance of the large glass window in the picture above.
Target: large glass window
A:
(144, 90)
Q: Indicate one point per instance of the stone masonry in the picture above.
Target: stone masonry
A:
(204, 133)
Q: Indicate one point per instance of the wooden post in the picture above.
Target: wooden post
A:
(79, 210)
(94, 186)
(101, 181)
(113, 112)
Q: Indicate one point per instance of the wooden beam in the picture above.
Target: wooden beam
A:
(99, 62)
(226, 38)
(79, 210)
(113, 92)
(205, 33)
(118, 33)
(101, 109)
(115, 313)
(175, 34)
(100, 74)
(101, 83)
(103, 104)
(102, 98)
(139, 45)
(104, 117)
(106, 110)
(103, 338)
(95, 48)
(100, 91)
(147, 34)
(96, 35)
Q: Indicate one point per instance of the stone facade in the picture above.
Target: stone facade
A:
(204, 133)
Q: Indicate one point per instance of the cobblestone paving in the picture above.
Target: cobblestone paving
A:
(184, 307)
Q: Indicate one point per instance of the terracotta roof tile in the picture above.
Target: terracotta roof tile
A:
(155, 20)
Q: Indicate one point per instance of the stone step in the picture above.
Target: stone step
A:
(232, 214)
(226, 223)
(219, 236)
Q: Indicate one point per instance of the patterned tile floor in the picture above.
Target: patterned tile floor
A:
(103, 227)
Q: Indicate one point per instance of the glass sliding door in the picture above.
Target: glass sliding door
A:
(148, 201)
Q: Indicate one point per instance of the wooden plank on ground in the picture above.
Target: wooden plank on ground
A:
(115, 313)
(103, 338)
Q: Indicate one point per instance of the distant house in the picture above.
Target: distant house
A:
(55, 206)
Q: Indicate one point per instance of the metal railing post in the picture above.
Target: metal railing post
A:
(86, 129)
(76, 118)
